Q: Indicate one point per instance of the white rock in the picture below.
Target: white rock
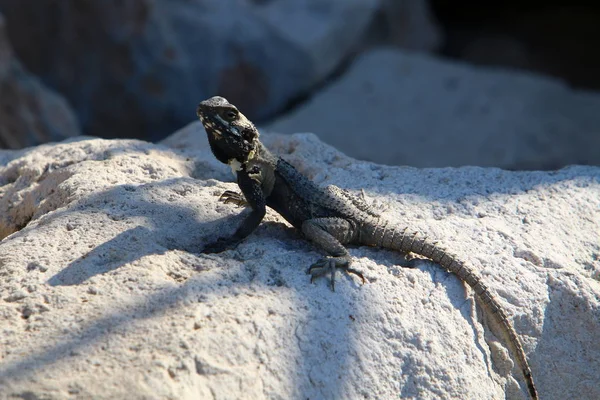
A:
(110, 297)
(399, 108)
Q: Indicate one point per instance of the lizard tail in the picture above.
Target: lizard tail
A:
(413, 243)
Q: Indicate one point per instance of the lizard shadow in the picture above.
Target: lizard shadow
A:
(157, 218)
(157, 227)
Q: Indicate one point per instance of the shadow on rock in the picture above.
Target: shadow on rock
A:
(161, 223)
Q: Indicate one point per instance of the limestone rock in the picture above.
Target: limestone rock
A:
(104, 292)
(401, 108)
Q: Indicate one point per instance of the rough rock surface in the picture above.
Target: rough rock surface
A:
(132, 69)
(103, 292)
(30, 113)
(399, 108)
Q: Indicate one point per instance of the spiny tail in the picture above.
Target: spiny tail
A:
(413, 243)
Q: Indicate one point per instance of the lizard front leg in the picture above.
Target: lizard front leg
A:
(254, 196)
(329, 234)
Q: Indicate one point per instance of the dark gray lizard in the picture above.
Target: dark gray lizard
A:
(330, 217)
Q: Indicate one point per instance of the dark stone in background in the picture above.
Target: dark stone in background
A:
(556, 38)
(30, 112)
(137, 68)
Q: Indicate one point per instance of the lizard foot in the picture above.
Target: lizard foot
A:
(236, 198)
(330, 265)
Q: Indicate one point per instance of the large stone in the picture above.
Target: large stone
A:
(30, 113)
(408, 24)
(103, 292)
(401, 108)
(138, 68)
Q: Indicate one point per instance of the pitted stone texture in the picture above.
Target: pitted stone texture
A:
(103, 293)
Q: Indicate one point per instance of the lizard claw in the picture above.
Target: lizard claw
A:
(330, 265)
(229, 196)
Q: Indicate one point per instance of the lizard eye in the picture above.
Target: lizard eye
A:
(230, 115)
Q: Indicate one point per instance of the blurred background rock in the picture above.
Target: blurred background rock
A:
(508, 84)
(30, 112)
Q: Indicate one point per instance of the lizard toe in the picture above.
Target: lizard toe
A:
(229, 196)
(331, 265)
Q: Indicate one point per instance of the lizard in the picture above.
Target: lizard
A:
(329, 217)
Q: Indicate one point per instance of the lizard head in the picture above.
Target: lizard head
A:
(232, 137)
